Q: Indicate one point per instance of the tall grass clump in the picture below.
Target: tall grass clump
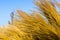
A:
(42, 24)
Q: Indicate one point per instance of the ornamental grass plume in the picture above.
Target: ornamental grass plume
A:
(43, 24)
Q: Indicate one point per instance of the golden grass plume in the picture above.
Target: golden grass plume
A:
(34, 26)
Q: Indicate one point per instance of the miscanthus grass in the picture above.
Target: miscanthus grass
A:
(43, 24)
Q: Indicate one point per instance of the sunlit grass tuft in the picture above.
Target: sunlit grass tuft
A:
(35, 26)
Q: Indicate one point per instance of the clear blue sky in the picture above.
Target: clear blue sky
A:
(7, 6)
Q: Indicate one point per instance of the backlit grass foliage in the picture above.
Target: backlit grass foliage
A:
(43, 24)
